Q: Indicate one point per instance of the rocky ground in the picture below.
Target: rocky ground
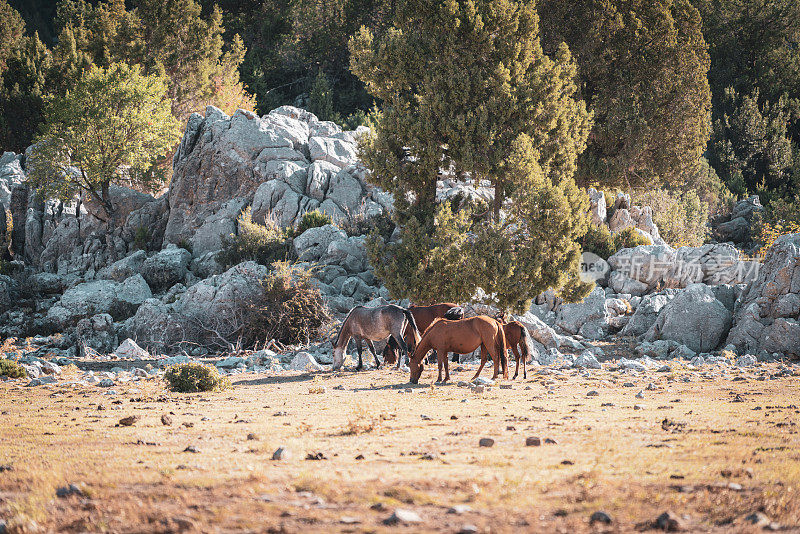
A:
(715, 447)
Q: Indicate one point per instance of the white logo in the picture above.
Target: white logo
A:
(593, 267)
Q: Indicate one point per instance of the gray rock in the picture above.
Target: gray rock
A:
(402, 516)
(129, 349)
(120, 300)
(694, 318)
(166, 268)
(304, 361)
(122, 269)
(587, 360)
(336, 151)
(313, 244)
(746, 360)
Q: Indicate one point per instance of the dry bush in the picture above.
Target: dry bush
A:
(290, 309)
(193, 377)
(262, 243)
(11, 369)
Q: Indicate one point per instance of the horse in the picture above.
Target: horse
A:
(373, 324)
(424, 316)
(519, 339)
(462, 336)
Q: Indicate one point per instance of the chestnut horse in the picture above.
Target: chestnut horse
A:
(519, 339)
(462, 336)
(424, 316)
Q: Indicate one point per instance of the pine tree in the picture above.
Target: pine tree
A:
(642, 69)
(483, 100)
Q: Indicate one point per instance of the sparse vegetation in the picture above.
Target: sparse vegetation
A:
(682, 218)
(194, 377)
(263, 243)
(313, 219)
(11, 369)
(141, 238)
(629, 238)
(598, 240)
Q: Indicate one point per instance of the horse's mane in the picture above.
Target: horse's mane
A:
(339, 335)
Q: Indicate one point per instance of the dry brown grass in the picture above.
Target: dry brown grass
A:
(380, 449)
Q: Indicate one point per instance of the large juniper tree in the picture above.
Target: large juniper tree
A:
(465, 85)
(642, 67)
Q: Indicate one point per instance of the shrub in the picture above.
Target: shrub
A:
(185, 244)
(263, 244)
(313, 219)
(291, 308)
(599, 240)
(361, 225)
(682, 218)
(781, 216)
(629, 238)
(12, 369)
(192, 377)
(141, 238)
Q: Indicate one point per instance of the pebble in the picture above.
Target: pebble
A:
(593, 393)
(506, 386)
(600, 517)
(166, 420)
(628, 385)
(459, 509)
(252, 437)
(550, 441)
(66, 491)
(468, 529)
(669, 522)
(533, 441)
(638, 407)
(191, 448)
(281, 453)
(129, 421)
(106, 383)
(485, 442)
(478, 389)
(640, 395)
(401, 515)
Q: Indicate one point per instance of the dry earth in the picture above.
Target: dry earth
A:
(711, 450)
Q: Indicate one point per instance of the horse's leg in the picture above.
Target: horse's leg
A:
(446, 367)
(516, 354)
(439, 365)
(497, 363)
(432, 357)
(404, 349)
(483, 361)
(359, 348)
(371, 348)
(398, 352)
(456, 357)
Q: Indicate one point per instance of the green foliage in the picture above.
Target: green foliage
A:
(313, 219)
(11, 369)
(194, 377)
(681, 217)
(12, 30)
(290, 309)
(320, 101)
(781, 216)
(630, 238)
(141, 238)
(642, 69)
(359, 224)
(482, 99)
(263, 243)
(751, 147)
(185, 244)
(598, 240)
(111, 126)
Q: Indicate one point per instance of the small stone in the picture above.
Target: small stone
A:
(468, 529)
(600, 517)
(347, 520)
(550, 441)
(664, 369)
(191, 448)
(758, 519)
(129, 421)
(486, 442)
(106, 383)
(478, 389)
(506, 386)
(281, 453)
(669, 522)
(733, 486)
(252, 437)
(459, 509)
(533, 441)
(640, 395)
(66, 491)
(638, 407)
(592, 393)
(402, 516)
(166, 420)
(628, 385)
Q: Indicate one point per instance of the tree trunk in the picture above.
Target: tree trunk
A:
(107, 206)
(499, 196)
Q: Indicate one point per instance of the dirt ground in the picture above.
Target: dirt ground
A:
(711, 450)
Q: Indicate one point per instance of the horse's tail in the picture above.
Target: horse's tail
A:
(413, 323)
(527, 343)
(501, 346)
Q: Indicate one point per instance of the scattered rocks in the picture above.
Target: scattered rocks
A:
(401, 515)
(129, 420)
(600, 517)
(486, 442)
(281, 453)
(669, 522)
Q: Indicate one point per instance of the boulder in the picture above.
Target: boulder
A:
(11, 174)
(166, 268)
(129, 349)
(304, 361)
(346, 192)
(337, 151)
(313, 244)
(588, 318)
(120, 300)
(764, 319)
(694, 318)
(597, 208)
(97, 332)
(646, 314)
(124, 268)
(587, 360)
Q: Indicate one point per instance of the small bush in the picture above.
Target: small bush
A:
(360, 225)
(12, 369)
(193, 377)
(141, 238)
(313, 219)
(263, 244)
(185, 244)
(629, 238)
(291, 308)
(781, 217)
(682, 218)
(598, 240)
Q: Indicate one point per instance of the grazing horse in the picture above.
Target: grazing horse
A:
(373, 324)
(424, 316)
(519, 339)
(462, 337)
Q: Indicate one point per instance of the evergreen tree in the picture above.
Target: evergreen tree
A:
(642, 69)
(483, 100)
(12, 30)
(110, 127)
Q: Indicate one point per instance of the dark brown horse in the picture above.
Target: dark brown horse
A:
(462, 336)
(423, 316)
(519, 340)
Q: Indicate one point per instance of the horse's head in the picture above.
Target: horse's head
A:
(416, 371)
